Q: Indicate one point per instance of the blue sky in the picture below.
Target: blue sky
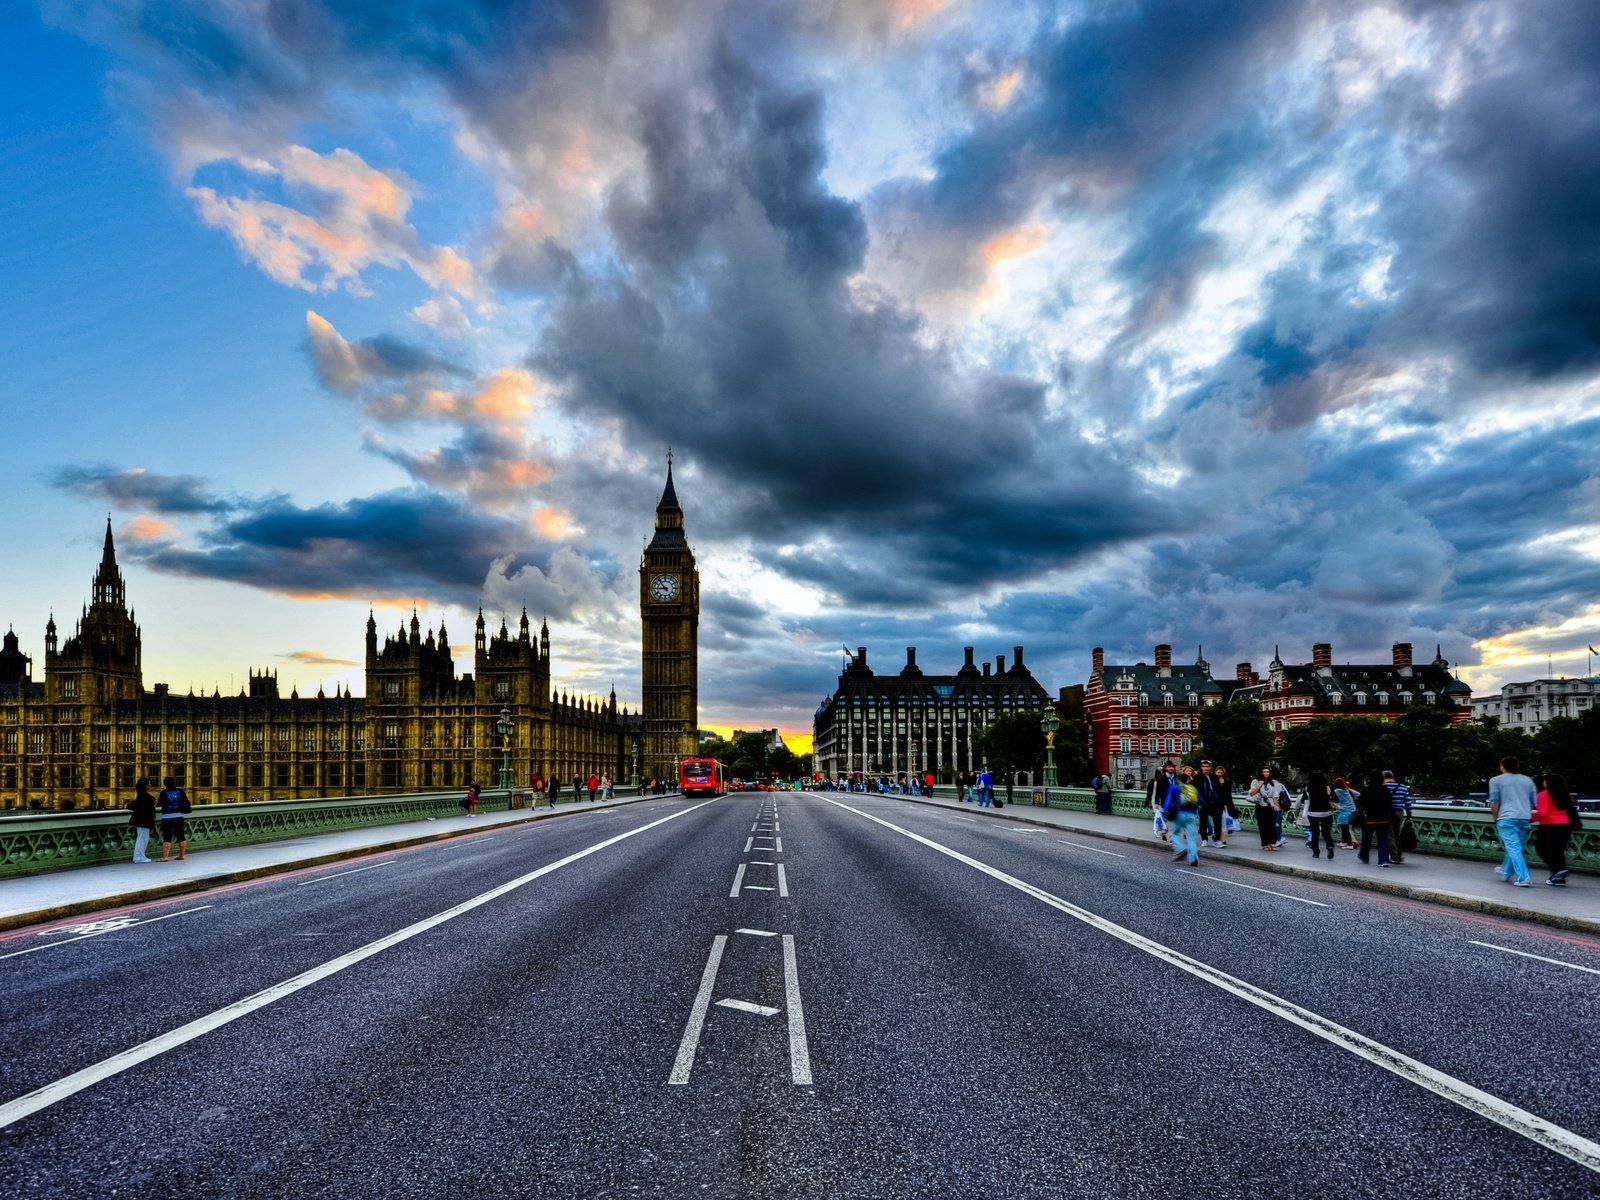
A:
(1241, 324)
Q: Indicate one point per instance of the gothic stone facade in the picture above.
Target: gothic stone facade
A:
(81, 736)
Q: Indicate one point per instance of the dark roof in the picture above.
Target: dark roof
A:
(1178, 680)
(1323, 683)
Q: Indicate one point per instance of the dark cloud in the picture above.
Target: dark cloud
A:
(137, 488)
(405, 543)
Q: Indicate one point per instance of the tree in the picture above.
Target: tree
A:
(1235, 735)
(1569, 747)
(1014, 742)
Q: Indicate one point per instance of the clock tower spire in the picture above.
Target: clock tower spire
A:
(669, 616)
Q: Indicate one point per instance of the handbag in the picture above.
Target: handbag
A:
(1408, 836)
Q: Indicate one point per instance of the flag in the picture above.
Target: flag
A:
(1592, 650)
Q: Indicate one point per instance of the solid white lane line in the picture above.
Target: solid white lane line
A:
(760, 1010)
(1523, 953)
(761, 862)
(1579, 1149)
(1090, 849)
(1250, 886)
(52, 1093)
(748, 842)
(757, 932)
(101, 933)
(799, 1053)
(779, 846)
(738, 882)
(783, 881)
(342, 874)
(697, 1015)
(756, 887)
(755, 827)
(1024, 831)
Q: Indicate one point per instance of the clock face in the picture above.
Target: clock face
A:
(664, 587)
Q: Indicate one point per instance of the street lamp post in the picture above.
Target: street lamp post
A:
(1050, 723)
(504, 727)
(636, 765)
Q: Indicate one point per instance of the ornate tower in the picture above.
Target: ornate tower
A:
(100, 662)
(669, 616)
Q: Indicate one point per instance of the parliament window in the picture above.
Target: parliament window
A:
(335, 775)
(127, 742)
(230, 775)
(202, 775)
(154, 743)
(206, 744)
(258, 740)
(281, 774)
(308, 775)
(283, 741)
(308, 739)
(102, 741)
(256, 774)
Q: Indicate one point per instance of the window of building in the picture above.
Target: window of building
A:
(391, 774)
(280, 774)
(1186, 745)
(127, 742)
(1127, 723)
(102, 776)
(206, 744)
(1194, 698)
(202, 775)
(308, 775)
(359, 774)
(258, 739)
(230, 775)
(232, 740)
(1143, 699)
(1383, 699)
(427, 774)
(11, 741)
(1167, 699)
(127, 775)
(335, 775)
(391, 689)
(1125, 747)
(69, 688)
(308, 739)
(502, 689)
(335, 738)
(283, 740)
(154, 741)
(36, 742)
(257, 774)
(391, 734)
(36, 777)
(102, 741)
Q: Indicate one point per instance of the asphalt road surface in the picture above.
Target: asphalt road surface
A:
(795, 996)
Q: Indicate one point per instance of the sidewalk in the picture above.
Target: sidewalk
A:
(34, 899)
(1459, 882)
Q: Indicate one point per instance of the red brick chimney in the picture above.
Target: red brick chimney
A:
(1243, 674)
(1402, 654)
(1099, 659)
(1163, 655)
(1322, 655)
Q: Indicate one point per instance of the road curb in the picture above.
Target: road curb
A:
(1397, 887)
(206, 883)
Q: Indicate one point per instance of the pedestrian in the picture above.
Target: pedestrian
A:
(1399, 815)
(469, 802)
(1269, 798)
(143, 820)
(1102, 794)
(1511, 800)
(1318, 810)
(1182, 810)
(555, 790)
(1156, 794)
(593, 784)
(985, 788)
(1555, 816)
(1375, 810)
(1344, 797)
(608, 787)
(1011, 780)
(1224, 786)
(175, 806)
(1211, 809)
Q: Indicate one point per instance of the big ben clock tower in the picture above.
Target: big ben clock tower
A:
(669, 614)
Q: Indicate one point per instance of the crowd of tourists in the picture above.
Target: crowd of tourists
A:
(1198, 808)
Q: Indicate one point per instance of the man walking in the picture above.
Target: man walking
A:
(1102, 794)
(1511, 797)
(1399, 814)
(1212, 830)
(985, 788)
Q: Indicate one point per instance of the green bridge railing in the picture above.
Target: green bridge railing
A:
(34, 842)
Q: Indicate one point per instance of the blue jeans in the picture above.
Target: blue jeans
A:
(1186, 833)
(1513, 832)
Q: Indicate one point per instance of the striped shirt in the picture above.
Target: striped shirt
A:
(1399, 796)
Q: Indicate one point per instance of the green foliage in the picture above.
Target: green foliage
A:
(1014, 742)
(1234, 735)
(1569, 747)
(752, 756)
(1349, 746)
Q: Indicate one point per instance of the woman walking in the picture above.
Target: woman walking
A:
(143, 820)
(1319, 813)
(1555, 816)
(1224, 789)
(1268, 796)
(1344, 797)
(1376, 810)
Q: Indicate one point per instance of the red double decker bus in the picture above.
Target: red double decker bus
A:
(702, 777)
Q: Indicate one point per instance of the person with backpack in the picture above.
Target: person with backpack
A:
(1182, 810)
(174, 802)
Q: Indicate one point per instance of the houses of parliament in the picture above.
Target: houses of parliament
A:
(81, 737)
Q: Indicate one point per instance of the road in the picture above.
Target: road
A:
(795, 996)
